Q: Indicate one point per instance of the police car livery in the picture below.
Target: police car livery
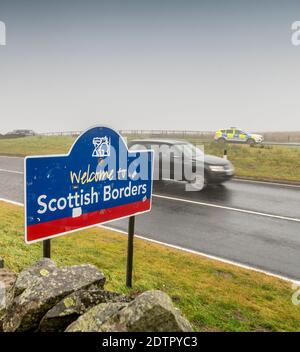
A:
(235, 135)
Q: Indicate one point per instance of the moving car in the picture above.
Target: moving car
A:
(235, 135)
(215, 170)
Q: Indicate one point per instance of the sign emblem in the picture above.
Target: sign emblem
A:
(101, 147)
(66, 193)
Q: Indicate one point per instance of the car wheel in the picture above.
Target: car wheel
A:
(251, 141)
(221, 140)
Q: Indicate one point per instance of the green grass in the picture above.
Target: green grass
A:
(213, 296)
(36, 145)
(279, 163)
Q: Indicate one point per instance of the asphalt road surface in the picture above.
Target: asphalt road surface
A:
(251, 223)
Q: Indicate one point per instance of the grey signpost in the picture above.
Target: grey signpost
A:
(47, 249)
(131, 223)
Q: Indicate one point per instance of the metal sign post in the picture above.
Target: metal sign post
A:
(130, 251)
(47, 249)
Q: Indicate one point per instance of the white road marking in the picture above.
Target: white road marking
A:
(252, 212)
(12, 171)
(246, 211)
(266, 182)
(226, 261)
(209, 256)
(11, 202)
(11, 157)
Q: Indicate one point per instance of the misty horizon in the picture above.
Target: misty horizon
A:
(156, 130)
(159, 65)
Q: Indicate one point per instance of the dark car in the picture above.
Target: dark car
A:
(177, 155)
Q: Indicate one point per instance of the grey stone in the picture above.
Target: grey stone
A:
(94, 318)
(7, 281)
(152, 311)
(44, 291)
(71, 307)
(28, 277)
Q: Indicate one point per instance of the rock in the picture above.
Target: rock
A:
(94, 318)
(152, 311)
(7, 281)
(71, 307)
(45, 290)
(28, 277)
(46, 298)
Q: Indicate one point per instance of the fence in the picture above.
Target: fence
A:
(136, 132)
(269, 137)
(65, 133)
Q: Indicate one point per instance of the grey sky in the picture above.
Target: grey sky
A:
(195, 65)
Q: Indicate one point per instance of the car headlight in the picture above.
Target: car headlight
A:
(216, 168)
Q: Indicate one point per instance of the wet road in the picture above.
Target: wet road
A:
(255, 224)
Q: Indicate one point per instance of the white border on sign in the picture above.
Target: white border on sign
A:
(66, 155)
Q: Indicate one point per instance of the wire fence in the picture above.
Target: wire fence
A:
(292, 138)
(64, 133)
(139, 133)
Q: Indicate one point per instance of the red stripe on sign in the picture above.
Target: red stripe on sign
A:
(55, 227)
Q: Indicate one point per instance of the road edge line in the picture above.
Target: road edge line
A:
(11, 202)
(265, 182)
(209, 256)
(12, 171)
(187, 250)
(218, 206)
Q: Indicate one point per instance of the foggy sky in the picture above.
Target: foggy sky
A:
(193, 65)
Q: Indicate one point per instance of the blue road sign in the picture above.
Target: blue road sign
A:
(99, 180)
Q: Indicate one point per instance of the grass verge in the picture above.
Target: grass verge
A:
(37, 145)
(270, 163)
(214, 296)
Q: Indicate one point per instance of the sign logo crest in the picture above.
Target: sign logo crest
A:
(101, 147)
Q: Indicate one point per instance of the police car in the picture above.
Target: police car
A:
(235, 135)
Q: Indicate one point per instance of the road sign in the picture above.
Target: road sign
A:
(99, 180)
